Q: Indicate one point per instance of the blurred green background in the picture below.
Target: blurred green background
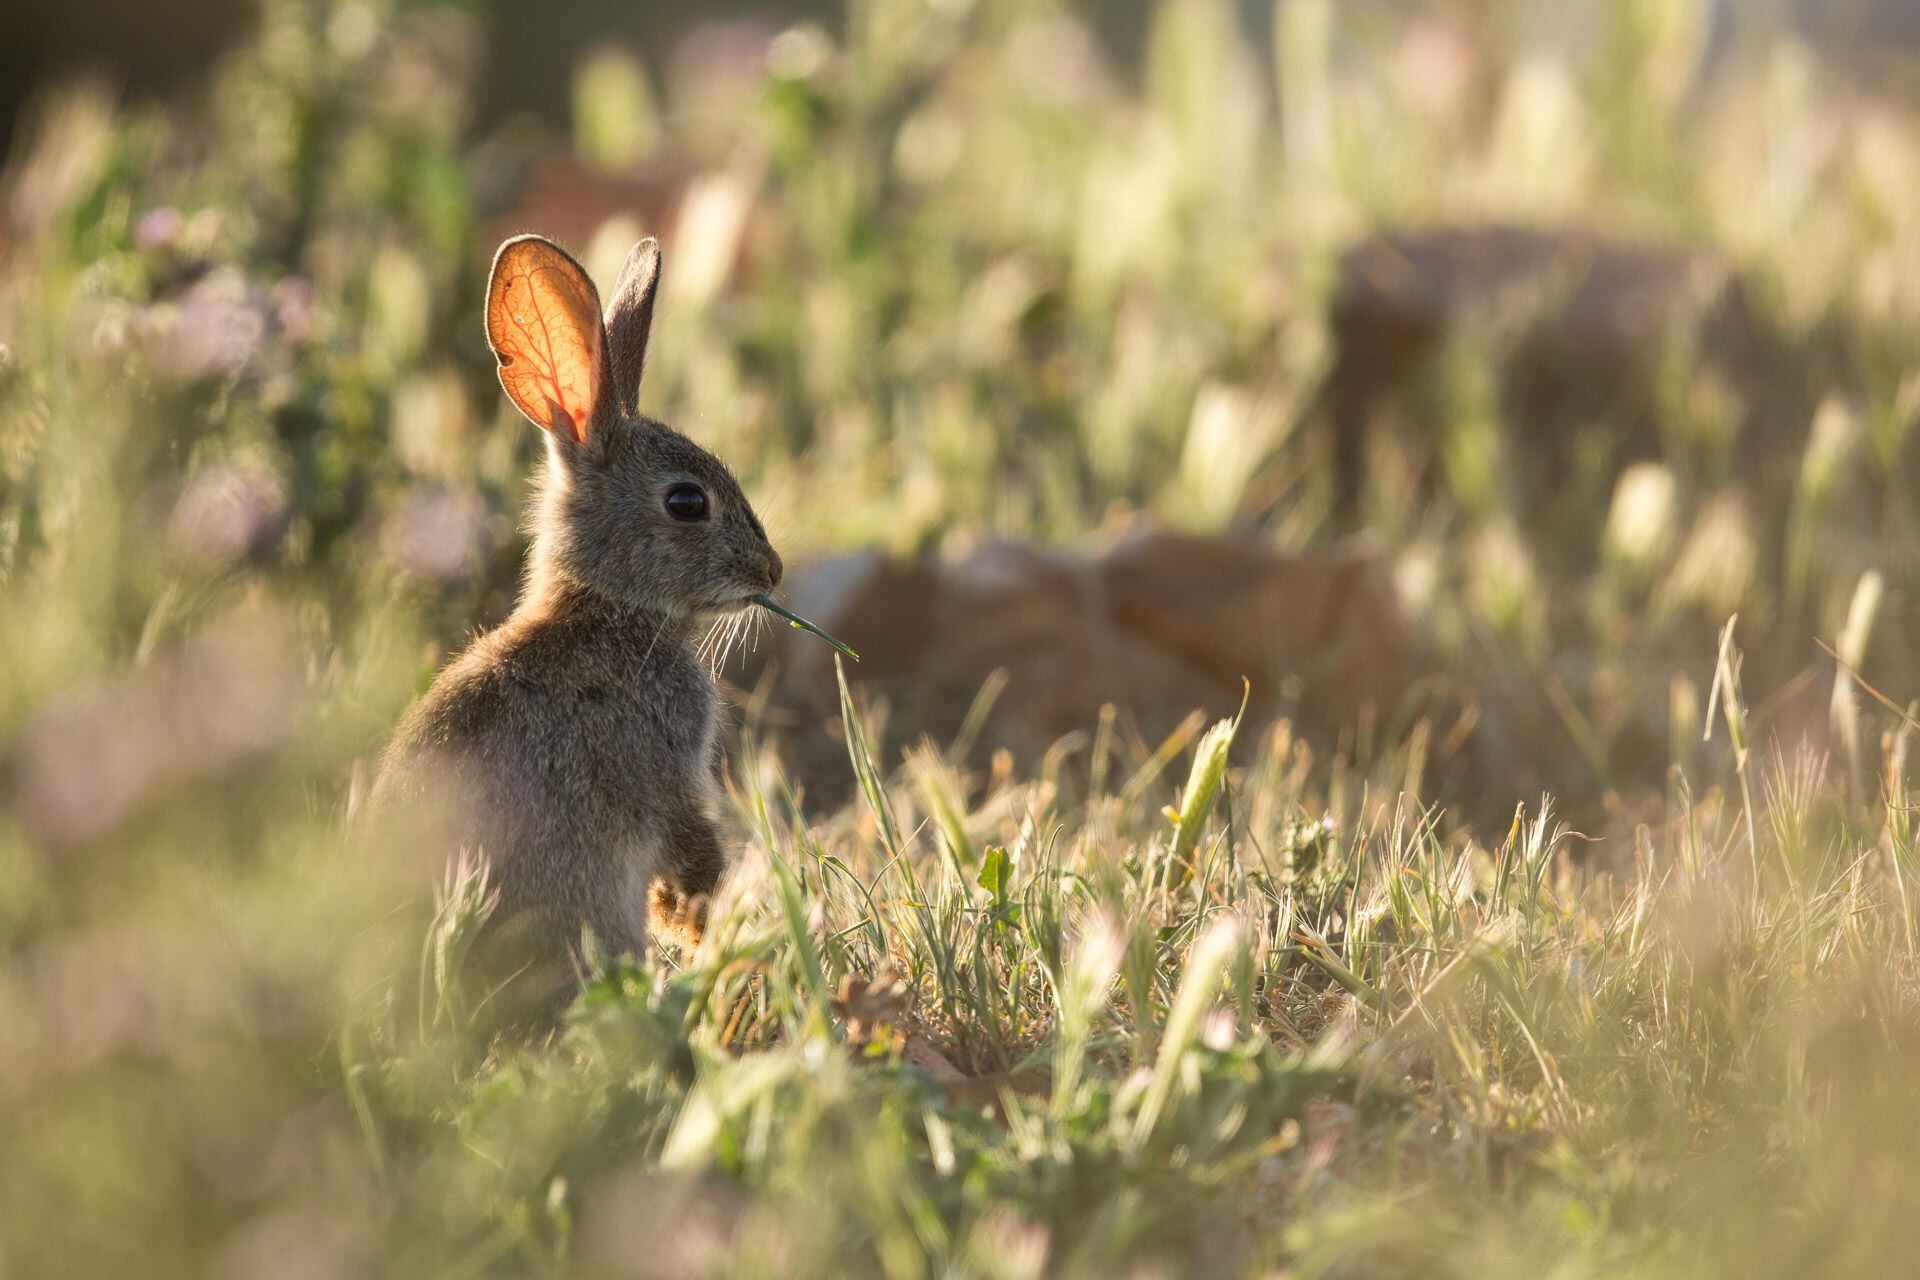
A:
(166, 49)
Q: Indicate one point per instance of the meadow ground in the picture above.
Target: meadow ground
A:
(1248, 1002)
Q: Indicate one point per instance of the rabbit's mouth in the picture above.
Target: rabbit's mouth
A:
(728, 607)
(748, 593)
(738, 596)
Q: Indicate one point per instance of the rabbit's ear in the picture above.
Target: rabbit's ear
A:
(543, 323)
(630, 321)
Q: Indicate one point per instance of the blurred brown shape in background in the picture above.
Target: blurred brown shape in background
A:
(1591, 314)
(1158, 623)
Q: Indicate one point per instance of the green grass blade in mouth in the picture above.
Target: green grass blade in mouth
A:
(795, 620)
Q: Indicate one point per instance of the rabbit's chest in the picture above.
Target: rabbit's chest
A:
(652, 742)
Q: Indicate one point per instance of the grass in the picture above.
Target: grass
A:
(1631, 992)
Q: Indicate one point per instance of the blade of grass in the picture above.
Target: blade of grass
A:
(795, 620)
(1206, 970)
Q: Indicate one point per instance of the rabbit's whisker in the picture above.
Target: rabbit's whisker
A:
(735, 628)
(709, 644)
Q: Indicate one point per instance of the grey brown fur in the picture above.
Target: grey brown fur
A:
(577, 744)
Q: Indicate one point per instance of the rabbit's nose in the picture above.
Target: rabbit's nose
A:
(774, 568)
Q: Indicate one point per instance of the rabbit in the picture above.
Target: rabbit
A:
(577, 745)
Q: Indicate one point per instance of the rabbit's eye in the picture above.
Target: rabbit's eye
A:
(687, 502)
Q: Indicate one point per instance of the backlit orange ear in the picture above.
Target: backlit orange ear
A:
(543, 322)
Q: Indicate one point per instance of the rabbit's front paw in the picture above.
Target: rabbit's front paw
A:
(676, 915)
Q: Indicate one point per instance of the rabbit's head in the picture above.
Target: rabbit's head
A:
(632, 510)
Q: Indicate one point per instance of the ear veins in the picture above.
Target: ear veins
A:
(545, 374)
(543, 323)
